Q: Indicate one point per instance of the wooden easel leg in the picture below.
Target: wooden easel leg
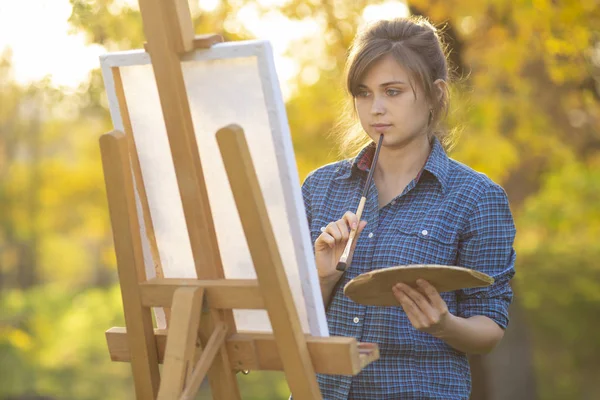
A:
(182, 342)
(291, 343)
(130, 263)
(169, 30)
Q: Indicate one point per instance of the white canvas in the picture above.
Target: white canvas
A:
(232, 82)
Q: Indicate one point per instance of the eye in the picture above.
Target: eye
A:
(362, 93)
(393, 92)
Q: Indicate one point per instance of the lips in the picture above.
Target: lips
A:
(381, 127)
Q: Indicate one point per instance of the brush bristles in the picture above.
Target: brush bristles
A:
(341, 266)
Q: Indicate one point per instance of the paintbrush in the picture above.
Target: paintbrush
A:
(343, 263)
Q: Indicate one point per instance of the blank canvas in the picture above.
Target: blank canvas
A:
(233, 82)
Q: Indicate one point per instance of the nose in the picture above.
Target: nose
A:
(377, 107)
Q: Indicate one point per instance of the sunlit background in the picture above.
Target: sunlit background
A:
(525, 107)
(44, 44)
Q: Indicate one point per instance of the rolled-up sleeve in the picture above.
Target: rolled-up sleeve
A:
(487, 246)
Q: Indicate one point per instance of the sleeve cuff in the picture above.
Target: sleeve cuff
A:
(496, 309)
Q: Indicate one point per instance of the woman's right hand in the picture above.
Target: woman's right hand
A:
(330, 245)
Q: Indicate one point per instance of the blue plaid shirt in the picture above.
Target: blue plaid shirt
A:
(449, 215)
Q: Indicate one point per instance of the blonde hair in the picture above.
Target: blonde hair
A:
(416, 45)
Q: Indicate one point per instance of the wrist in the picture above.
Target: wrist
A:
(447, 327)
(330, 279)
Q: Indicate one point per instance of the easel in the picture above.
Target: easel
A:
(202, 338)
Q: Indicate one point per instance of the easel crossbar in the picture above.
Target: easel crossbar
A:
(222, 294)
(258, 351)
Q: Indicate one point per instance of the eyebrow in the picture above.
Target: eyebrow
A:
(385, 84)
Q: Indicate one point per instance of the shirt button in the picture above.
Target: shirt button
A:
(424, 232)
(356, 320)
(371, 234)
(393, 202)
(322, 229)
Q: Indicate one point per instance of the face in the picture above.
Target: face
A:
(386, 104)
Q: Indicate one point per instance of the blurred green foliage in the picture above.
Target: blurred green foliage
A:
(526, 101)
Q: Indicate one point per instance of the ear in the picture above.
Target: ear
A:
(441, 88)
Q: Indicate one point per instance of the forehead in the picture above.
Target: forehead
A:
(385, 70)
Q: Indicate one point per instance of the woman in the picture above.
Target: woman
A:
(422, 208)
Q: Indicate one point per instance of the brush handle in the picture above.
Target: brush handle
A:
(343, 263)
(359, 211)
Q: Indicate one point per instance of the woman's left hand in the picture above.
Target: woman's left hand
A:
(425, 308)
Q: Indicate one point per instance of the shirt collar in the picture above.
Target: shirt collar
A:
(437, 163)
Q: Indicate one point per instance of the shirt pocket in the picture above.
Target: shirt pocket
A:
(426, 242)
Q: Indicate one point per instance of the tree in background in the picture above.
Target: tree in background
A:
(57, 292)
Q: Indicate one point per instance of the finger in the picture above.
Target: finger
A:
(432, 294)
(325, 239)
(420, 300)
(330, 240)
(412, 311)
(333, 229)
(361, 226)
(343, 228)
(350, 219)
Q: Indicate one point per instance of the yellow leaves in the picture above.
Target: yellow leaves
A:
(564, 53)
(570, 42)
(67, 260)
(56, 336)
(485, 152)
(529, 240)
(565, 214)
(542, 5)
(437, 11)
(108, 257)
(16, 337)
(556, 46)
(482, 144)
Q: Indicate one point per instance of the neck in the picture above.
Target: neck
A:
(398, 163)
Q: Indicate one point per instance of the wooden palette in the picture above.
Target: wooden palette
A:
(374, 288)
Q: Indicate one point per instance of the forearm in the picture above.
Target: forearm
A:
(474, 335)
(327, 286)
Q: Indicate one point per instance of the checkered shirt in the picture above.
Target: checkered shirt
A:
(449, 215)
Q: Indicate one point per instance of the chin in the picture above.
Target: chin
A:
(400, 141)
